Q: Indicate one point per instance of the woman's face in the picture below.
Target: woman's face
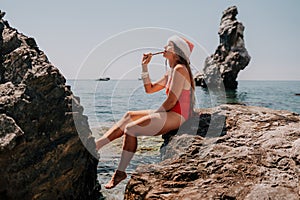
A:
(169, 50)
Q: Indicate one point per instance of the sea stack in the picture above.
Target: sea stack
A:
(230, 57)
(41, 153)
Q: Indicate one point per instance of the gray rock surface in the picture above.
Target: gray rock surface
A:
(256, 158)
(230, 57)
(41, 153)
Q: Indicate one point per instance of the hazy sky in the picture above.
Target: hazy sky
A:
(86, 39)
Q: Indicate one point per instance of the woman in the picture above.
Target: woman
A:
(174, 111)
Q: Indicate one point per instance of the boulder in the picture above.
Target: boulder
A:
(42, 151)
(254, 156)
(221, 68)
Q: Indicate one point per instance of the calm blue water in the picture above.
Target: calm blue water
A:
(106, 101)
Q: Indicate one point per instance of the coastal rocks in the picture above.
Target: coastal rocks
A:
(257, 158)
(41, 153)
(230, 56)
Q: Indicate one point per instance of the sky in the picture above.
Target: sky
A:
(94, 38)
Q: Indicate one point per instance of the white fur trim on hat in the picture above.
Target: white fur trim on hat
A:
(185, 46)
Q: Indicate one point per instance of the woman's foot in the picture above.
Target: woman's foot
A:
(116, 179)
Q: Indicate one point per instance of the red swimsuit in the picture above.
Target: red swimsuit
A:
(183, 104)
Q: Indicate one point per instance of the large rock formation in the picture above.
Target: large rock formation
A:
(230, 57)
(258, 157)
(41, 153)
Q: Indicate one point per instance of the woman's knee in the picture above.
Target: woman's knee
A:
(129, 115)
(129, 130)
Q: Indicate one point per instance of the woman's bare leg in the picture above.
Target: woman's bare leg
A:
(117, 130)
(150, 125)
(129, 148)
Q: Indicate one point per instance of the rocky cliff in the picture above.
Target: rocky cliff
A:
(41, 153)
(254, 156)
(230, 57)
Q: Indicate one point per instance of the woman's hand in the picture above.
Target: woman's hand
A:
(146, 58)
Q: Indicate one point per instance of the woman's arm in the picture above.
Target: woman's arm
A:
(154, 87)
(148, 85)
(178, 80)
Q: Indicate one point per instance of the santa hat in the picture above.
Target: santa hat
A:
(183, 44)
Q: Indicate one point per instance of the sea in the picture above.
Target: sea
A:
(105, 102)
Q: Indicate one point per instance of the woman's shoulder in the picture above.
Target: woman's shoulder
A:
(181, 68)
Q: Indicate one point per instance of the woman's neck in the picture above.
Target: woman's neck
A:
(172, 63)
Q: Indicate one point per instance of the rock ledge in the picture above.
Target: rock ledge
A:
(257, 158)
